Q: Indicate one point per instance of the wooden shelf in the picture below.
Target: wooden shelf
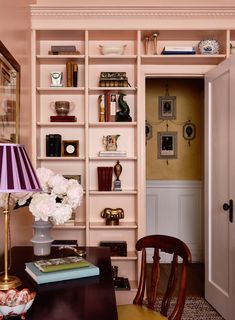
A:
(112, 124)
(61, 158)
(183, 59)
(54, 90)
(60, 124)
(111, 193)
(122, 225)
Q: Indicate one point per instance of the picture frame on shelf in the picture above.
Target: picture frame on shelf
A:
(167, 107)
(77, 177)
(10, 96)
(167, 145)
(70, 148)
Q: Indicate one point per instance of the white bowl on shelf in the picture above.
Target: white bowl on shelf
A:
(112, 49)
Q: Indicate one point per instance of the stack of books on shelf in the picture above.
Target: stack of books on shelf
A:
(105, 178)
(60, 269)
(62, 243)
(113, 79)
(178, 50)
(53, 145)
(108, 105)
(63, 50)
(71, 74)
(112, 153)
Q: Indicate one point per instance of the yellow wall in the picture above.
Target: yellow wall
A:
(189, 106)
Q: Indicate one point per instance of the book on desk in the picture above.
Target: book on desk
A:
(69, 268)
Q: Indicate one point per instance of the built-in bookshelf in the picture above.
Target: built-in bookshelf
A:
(89, 227)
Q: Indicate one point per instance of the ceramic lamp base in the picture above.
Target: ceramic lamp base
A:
(11, 282)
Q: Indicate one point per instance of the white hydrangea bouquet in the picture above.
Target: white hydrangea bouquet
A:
(57, 200)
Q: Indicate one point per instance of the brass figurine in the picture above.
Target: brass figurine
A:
(112, 216)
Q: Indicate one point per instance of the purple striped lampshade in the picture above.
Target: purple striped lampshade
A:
(16, 171)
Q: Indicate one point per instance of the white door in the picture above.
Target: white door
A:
(220, 188)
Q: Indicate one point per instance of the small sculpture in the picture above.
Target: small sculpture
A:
(124, 114)
(112, 216)
(56, 79)
(117, 182)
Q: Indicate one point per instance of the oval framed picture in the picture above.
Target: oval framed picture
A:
(70, 148)
(189, 131)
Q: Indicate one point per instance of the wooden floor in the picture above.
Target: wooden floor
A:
(195, 282)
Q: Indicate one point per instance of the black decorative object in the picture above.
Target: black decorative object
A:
(123, 115)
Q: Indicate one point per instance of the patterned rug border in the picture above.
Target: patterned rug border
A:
(196, 308)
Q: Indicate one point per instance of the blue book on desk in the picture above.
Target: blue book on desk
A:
(46, 277)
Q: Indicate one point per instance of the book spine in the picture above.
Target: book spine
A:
(75, 74)
(100, 181)
(113, 107)
(107, 107)
(57, 139)
(50, 145)
(102, 108)
(69, 73)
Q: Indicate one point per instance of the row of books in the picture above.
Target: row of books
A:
(71, 74)
(105, 175)
(53, 145)
(108, 106)
(60, 269)
(172, 50)
(113, 79)
(63, 50)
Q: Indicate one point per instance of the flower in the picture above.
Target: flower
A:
(57, 200)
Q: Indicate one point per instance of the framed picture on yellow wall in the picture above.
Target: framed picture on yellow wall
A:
(167, 107)
(167, 145)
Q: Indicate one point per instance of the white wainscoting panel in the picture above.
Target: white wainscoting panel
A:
(175, 208)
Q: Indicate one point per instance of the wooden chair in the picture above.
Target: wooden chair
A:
(172, 246)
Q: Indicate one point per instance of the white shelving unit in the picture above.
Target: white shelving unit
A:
(90, 227)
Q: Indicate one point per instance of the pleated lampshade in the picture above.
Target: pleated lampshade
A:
(16, 171)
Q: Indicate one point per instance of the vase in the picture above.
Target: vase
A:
(42, 239)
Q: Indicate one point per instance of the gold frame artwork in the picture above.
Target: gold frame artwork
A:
(9, 97)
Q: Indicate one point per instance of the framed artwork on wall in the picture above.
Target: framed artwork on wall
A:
(9, 96)
(167, 107)
(167, 145)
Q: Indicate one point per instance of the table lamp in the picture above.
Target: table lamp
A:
(16, 175)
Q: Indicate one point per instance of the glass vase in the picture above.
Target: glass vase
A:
(42, 238)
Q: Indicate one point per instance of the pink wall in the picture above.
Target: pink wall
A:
(15, 35)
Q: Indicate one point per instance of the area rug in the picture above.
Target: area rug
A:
(197, 308)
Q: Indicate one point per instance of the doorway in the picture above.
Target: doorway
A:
(174, 159)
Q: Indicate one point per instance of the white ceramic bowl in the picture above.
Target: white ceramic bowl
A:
(112, 49)
(15, 303)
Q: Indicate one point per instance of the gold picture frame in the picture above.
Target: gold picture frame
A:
(70, 148)
(9, 97)
(167, 145)
(167, 108)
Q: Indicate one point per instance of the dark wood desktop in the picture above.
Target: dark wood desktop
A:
(90, 298)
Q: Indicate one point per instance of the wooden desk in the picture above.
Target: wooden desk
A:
(90, 298)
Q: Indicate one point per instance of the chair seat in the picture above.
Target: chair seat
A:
(133, 311)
